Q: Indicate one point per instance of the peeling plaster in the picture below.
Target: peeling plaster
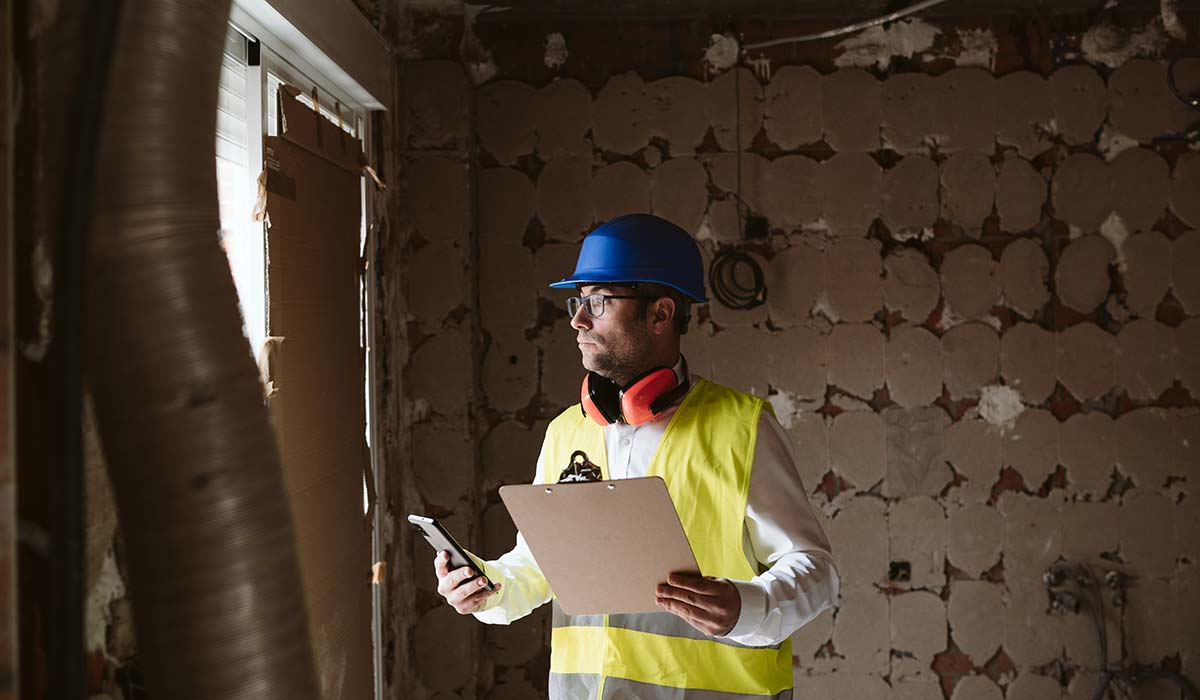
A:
(1113, 142)
(1115, 232)
(979, 48)
(1113, 46)
(479, 62)
(556, 51)
(1170, 19)
(878, 45)
(1000, 405)
(721, 54)
(108, 587)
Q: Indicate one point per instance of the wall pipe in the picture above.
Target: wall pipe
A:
(211, 551)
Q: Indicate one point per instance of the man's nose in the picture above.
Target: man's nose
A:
(581, 321)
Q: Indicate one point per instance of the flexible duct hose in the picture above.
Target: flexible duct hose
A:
(211, 552)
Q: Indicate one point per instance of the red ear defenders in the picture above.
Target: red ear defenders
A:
(643, 399)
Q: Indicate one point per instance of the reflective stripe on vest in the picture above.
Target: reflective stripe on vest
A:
(705, 458)
(584, 686)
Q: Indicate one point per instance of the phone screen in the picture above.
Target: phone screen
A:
(441, 541)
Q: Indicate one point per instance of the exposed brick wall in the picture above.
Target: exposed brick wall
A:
(980, 330)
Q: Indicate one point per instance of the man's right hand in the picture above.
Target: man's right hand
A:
(464, 596)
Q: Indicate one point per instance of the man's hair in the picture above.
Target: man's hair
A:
(683, 305)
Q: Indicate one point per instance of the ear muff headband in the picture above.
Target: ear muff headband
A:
(643, 399)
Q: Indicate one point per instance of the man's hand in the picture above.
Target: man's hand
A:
(711, 605)
(465, 597)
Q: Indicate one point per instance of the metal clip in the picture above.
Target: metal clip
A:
(580, 468)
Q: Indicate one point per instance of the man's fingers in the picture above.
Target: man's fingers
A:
(694, 616)
(470, 598)
(699, 584)
(689, 597)
(441, 564)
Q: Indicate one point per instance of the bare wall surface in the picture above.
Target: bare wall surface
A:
(980, 329)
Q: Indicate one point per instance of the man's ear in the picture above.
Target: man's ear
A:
(664, 314)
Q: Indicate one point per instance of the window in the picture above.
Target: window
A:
(251, 73)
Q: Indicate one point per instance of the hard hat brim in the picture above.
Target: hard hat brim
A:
(576, 280)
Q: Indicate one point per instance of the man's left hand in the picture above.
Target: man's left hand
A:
(711, 605)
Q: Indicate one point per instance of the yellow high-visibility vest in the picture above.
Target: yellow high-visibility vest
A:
(705, 458)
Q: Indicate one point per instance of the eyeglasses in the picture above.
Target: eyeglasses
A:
(593, 304)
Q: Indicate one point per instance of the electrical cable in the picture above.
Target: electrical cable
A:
(848, 29)
(726, 279)
(1192, 102)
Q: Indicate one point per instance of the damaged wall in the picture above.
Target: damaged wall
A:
(980, 330)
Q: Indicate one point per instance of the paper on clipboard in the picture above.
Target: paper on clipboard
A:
(603, 545)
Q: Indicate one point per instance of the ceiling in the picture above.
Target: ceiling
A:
(845, 10)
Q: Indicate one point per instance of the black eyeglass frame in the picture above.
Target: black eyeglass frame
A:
(578, 301)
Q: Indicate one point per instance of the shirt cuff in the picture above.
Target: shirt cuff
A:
(754, 609)
(490, 574)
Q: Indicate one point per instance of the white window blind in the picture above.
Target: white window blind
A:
(241, 236)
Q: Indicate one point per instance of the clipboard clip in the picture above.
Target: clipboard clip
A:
(580, 468)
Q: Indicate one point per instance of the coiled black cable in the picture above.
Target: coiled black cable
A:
(1191, 101)
(737, 280)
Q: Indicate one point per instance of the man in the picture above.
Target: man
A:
(728, 467)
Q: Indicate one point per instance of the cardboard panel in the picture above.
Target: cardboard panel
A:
(313, 205)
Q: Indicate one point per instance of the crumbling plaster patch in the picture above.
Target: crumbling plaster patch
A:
(970, 358)
(878, 45)
(1140, 187)
(564, 202)
(1000, 406)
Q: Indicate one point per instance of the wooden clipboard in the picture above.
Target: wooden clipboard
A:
(603, 545)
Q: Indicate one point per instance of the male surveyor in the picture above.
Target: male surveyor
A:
(728, 466)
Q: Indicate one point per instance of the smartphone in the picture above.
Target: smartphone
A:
(440, 540)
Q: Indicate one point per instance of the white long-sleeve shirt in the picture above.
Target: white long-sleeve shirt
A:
(782, 538)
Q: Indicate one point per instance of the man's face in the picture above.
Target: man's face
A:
(615, 344)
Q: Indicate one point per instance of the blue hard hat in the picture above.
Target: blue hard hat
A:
(640, 248)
